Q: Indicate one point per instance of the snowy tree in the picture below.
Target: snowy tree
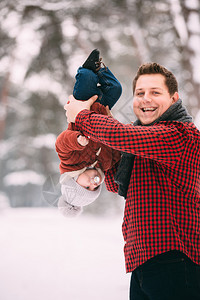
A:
(42, 45)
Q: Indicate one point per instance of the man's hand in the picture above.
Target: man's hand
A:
(73, 107)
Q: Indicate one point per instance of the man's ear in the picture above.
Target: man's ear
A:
(175, 97)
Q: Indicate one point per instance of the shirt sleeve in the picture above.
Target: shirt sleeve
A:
(163, 142)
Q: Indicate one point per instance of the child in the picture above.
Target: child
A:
(83, 161)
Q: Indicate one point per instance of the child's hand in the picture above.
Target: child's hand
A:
(82, 140)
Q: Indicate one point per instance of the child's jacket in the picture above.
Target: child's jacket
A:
(73, 156)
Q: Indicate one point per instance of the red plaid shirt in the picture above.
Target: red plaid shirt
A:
(163, 198)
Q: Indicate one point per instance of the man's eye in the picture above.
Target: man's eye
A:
(87, 187)
(139, 94)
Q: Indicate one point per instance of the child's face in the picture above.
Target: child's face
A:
(86, 179)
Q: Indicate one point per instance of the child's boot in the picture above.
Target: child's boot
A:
(92, 62)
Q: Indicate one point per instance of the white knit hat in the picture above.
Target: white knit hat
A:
(74, 196)
(78, 195)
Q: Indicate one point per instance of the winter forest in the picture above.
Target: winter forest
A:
(43, 42)
(42, 45)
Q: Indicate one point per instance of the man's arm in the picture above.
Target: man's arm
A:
(163, 143)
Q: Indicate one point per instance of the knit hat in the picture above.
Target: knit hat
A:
(74, 196)
(77, 195)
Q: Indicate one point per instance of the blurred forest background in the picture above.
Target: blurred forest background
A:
(42, 45)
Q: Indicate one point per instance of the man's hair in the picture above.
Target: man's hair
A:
(154, 68)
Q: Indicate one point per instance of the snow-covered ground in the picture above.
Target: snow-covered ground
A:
(46, 256)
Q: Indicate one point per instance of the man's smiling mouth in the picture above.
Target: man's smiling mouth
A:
(144, 109)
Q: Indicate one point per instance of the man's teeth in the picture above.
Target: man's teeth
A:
(148, 109)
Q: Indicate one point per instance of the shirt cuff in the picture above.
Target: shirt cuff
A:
(82, 115)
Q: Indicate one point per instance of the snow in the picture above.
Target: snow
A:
(44, 82)
(4, 201)
(68, 28)
(47, 140)
(197, 120)
(192, 4)
(46, 256)
(23, 178)
(179, 21)
(11, 23)
(194, 22)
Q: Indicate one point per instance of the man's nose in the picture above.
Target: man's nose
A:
(147, 97)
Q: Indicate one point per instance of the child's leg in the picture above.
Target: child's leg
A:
(86, 84)
(110, 87)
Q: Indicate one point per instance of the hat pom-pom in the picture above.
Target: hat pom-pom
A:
(67, 209)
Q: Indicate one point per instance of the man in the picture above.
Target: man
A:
(161, 220)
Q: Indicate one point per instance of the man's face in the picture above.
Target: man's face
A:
(151, 98)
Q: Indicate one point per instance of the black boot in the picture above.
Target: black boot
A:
(92, 62)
